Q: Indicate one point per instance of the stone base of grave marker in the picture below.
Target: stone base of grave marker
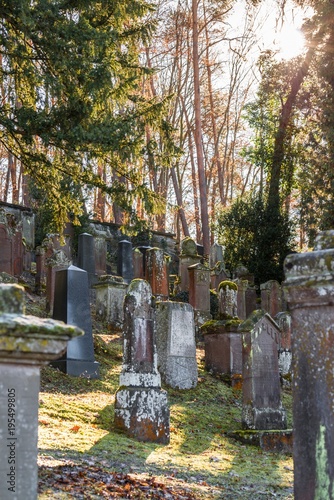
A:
(143, 413)
(223, 349)
(176, 344)
(272, 441)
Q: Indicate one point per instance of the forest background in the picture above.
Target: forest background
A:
(174, 115)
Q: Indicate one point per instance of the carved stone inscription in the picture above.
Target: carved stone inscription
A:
(182, 334)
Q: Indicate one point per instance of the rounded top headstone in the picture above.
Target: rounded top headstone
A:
(188, 247)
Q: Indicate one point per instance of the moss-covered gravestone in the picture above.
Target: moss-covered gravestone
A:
(309, 291)
(141, 406)
(26, 343)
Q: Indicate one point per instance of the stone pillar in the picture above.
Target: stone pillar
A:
(157, 273)
(124, 260)
(72, 306)
(141, 407)
(110, 293)
(26, 343)
(86, 255)
(261, 406)
(271, 297)
(309, 290)
(218, 274)
(176, 344)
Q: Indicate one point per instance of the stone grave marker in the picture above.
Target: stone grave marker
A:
(176, 345)
(271, 297)
(309, 290)
(262, 406)
(72, 306)
(199, 295)
(110, 293)
(216, 254)
(86, 256)
(124, 260)
(188, 257)
(157, 272)
(141, 406)
(26, 343)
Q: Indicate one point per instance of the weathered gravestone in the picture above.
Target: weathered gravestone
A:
(283, 319)
(216, 254)
(309, 290)
(176, 345)
(110, 293)
(141, 406)
(188, 257)
(72, 306)
(271, 297)
(26, 343)
(157, 272)
(222, 340)
(199, 295)
(125, 261)
(262, 406)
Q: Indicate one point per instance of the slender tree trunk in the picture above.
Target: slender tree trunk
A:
(179, 201)
(198, 136)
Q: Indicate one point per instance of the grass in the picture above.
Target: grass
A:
(76, 426)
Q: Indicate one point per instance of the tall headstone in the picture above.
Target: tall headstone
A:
(72, 306)
(141, 406)
(199, 295)
(262, 406)
(100, 252)
(251, 300)
(271, 297)
(86, 255)
(56, 262)
(309, 290)
(26, 343)
(188, 257)
(218, 274)
(227, 295)
(241, 297)
(124, 260)
(110, 292)
(216, 254)
(157, 272)
(176, 344)
(138, 264)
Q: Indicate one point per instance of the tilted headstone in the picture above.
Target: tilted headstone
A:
(309, 291)
(124, 260)
(141, 406)
(86, 256)
(26, 343)
(271, 297)
(175, 334)
(261, 406)
(72, 306)
(157, 272)
(110, 292)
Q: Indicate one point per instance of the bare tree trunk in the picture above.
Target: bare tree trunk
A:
(198, 136)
